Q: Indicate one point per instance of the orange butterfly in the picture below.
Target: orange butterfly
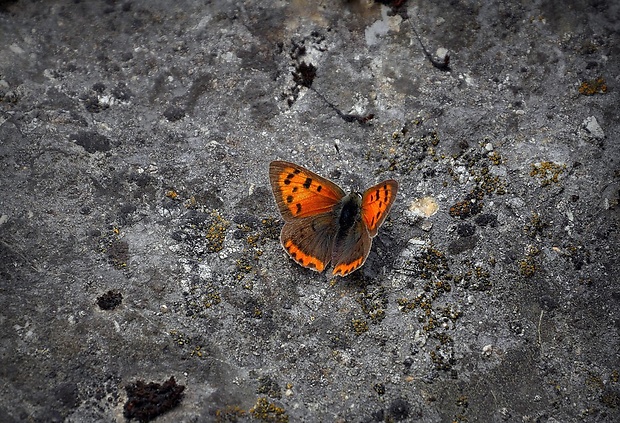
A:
(322, 223)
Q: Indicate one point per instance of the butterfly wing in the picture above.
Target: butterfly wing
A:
(351, 249)
(376, 203)
(300, 193)
(309, 240)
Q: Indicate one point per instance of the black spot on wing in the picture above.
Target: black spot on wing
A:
(289, 199)
(298, 205)
(319, 188)
(288, 178)
(307, 183)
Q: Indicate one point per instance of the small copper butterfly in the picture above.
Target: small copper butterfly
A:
(322, 223)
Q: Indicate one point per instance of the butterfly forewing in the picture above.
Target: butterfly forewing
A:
(301, 193)
(376, 203)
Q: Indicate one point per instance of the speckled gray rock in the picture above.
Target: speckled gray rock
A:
(139, 237)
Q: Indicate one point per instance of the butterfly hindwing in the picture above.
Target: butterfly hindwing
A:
(300, 193)
(376, 203)
(309, 240)
(351, 249)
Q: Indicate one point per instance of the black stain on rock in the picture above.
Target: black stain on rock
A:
(110, 300)
(174, 113)
(462, 244)
(399, 409)
(465, 230)
(147, 401)
(486, 219)
(92, 141)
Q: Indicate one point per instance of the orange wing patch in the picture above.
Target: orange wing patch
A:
(343, 269)
(376, 204)
(300, 192)
(302, 258)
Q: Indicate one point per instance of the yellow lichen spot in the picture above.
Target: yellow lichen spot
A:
(527, 265)
(212, 299)
(547, 172)
(594, 86)
(172, 194)
(359, 326)
(268, 412)
(191, 203)
(216, 232)
(495, 158)
(230, 413)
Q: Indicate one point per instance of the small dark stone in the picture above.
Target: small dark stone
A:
(379, 388)
(178, 235)
(110, 300)
(99, 87)
(465, 230)
(147, 401)
(304, 74)
(142, 179)
(126, 56)
(548, 303)
(118, 253)
(408, 362)
(174, 113)
(92, 141)
(92, 104)
(128, 208)
(399, 409)
(486, 219)
(462, 244)
(68, 395)
(379, 415)
(121, 92)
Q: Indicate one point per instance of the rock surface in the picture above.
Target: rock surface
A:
(135, 138)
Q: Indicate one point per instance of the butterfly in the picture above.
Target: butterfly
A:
(322, 223)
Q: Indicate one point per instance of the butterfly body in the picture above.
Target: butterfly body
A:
(322, 223)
